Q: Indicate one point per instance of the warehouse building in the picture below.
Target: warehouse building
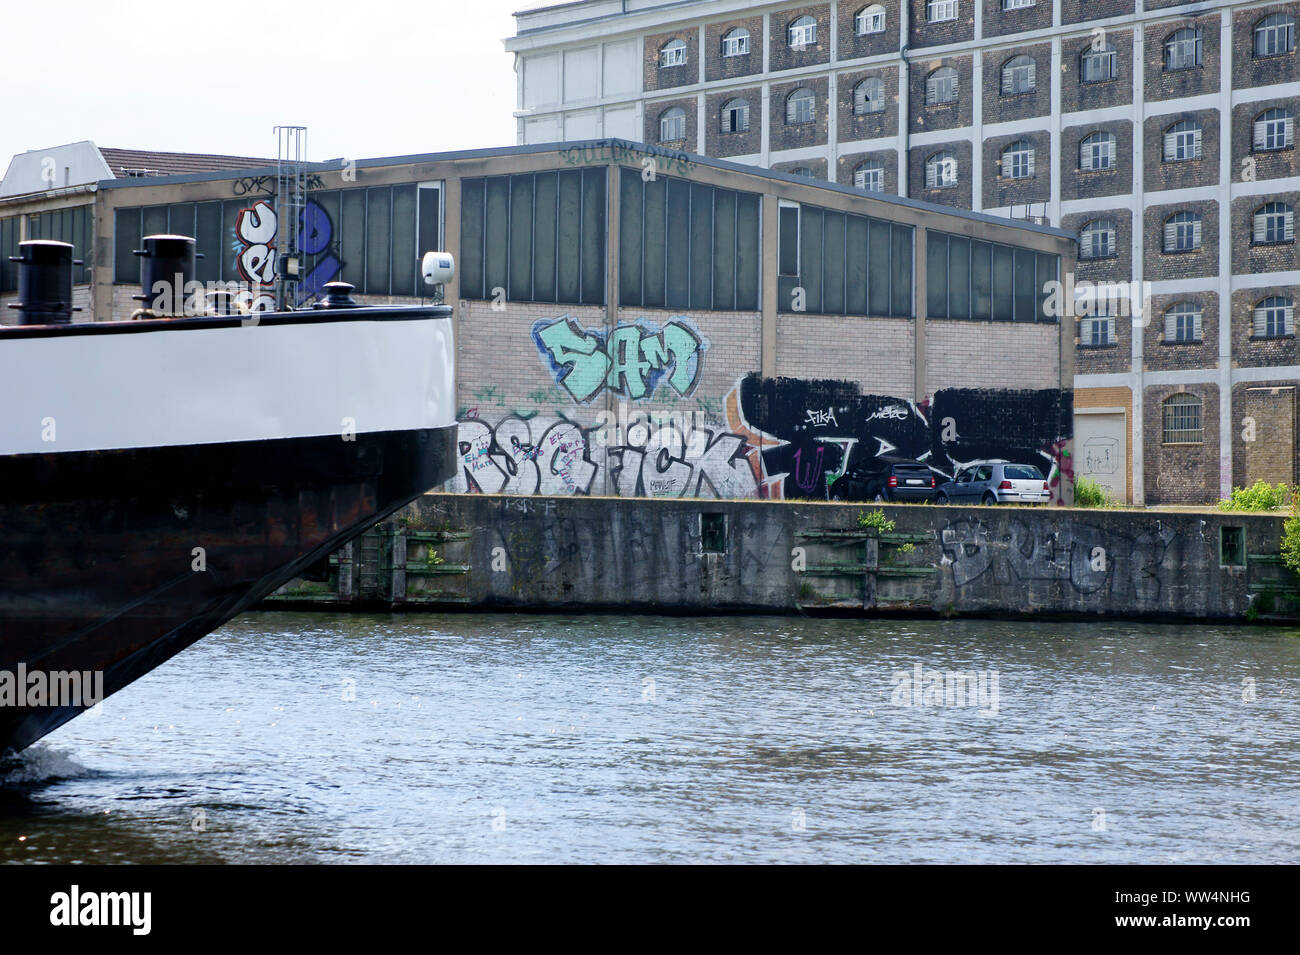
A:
(1160, 134)
(638, 321)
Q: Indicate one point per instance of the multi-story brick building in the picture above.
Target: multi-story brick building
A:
(1161, 134)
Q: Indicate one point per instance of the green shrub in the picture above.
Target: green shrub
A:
(876, 519)
(1088, 493)
(1291, 536)
(1258, 497)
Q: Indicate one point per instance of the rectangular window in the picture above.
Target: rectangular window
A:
(537, 236)
(937, 11)
(9, 246)
(686, 245)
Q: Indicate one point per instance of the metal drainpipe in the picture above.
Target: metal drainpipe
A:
(906, 118)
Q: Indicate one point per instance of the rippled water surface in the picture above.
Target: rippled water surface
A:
(509, 738)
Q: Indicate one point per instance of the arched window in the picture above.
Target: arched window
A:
(1097, 151)
(1182, 141)
(1018, 75)
(803, 172)
(800, 106)
(672, 53)
(937, 11)
(1018, 160)
(1182, 419)
(1183, 322)
(869, 96)
(941, 170)
(869, 20)
(1098, 64)
(1274, 129)
(735, 116)
(1274, 317)
(735, 42)
(1183, 49)
(1273, 222)
(802, 33)
(1097, 239)
(1275, 35)
(870, 175)
(672, 125)
(941, 86)
(1182, 232)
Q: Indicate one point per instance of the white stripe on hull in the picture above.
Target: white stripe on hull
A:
(242, 383)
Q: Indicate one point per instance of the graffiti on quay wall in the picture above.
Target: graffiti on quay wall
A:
(631, 361)
(255, 234)
(642, 455)
(806, 434)
(1085, 556)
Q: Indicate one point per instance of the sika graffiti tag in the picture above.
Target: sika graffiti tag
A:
(631, 360)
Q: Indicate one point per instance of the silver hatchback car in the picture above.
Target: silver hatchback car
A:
(995, 482)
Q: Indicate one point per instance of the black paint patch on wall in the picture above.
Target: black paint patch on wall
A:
(830, 426)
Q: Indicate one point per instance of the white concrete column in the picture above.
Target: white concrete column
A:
(1226, 175)
(1136, 205)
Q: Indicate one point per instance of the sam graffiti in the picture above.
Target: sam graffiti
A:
(632, 360)
(255, 232)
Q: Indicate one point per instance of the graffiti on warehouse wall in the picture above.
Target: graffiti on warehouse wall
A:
(646, 455)
(769, 438)
(255, 232)
(631, 361)
(815, 430)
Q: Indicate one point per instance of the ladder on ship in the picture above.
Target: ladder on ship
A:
(290, 202)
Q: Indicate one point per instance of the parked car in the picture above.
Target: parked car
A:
(995, 482)
(885, 478)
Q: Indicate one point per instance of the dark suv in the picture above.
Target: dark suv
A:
(885, 479)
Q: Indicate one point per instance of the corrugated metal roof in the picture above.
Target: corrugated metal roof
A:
(131, 163)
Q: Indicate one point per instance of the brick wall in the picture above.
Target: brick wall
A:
(653, 111)
(795, 135)
(999, 108)
(961, 30)
(1002, 191)
(874, 352)
(1161, 355)
(720, 144)
(1248, 257)
(964, 354)
(1264, 412)
(660, 78)
(852, 127)
(1159, 265)
(945, 115)
(1183, 173)
(782, 56)
(1076, 11)
(1192, 81)
(1077, 95)
(1181, 473)
(818, 167)
(1119, 268)
(1250, 70)
(851, 45)
(1116, 181)
(999, 22)
(1251, 352)
(1268, 164)
(719, 67)
(848, 162)
(958, 195)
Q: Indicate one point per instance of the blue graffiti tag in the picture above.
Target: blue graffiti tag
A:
(631, 360)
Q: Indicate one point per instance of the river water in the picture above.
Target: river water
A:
(291, 737)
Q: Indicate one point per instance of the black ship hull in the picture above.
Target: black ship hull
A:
(159, 477)
(114, 561)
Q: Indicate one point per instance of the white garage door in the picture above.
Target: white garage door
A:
(1100, 452)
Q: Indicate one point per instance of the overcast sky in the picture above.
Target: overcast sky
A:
(374, 78)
